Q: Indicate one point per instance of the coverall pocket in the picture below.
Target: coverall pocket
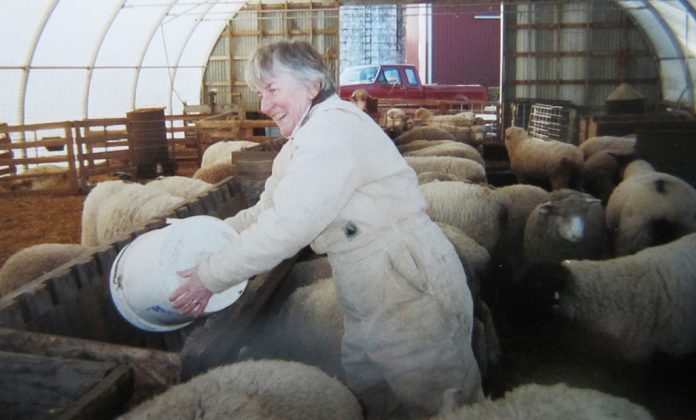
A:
(404, 271)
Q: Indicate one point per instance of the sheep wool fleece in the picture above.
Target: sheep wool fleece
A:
(340, 184)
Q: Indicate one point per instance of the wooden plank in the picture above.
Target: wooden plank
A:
(47, 387)
(216, 340)
(154, 370)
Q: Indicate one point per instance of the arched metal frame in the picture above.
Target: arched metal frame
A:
(206, 19)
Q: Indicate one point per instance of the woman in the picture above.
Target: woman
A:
(340, 184)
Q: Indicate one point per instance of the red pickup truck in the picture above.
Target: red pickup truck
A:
(401, 81)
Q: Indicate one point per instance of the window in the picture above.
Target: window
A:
(392, 75)
(411, 77)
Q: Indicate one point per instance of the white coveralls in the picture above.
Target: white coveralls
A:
(340, 184)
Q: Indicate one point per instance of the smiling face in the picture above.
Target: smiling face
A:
(285, 99)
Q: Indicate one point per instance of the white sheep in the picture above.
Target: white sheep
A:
(625, 144)
(309, 327)
(422, 133)
(569, 225)
(115, 208)
(553, 402)
(549, 163)
(308, 271)
(34, 261)
(180, 186)
(215, 173)
(221, 151)
(479, 210)
(451, 148)
(642, 303)
(476, 261)
(460, 119)
(464, 126)
(649, 208)
(254, 390)
(44, 177)
(419, 144)
(459, 168)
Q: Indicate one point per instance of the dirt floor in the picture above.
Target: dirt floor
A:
(36, 219)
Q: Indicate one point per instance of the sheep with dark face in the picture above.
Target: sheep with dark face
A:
(395, 122)
(649, 208)
(602, 171)
(569, 225)
(642, 303)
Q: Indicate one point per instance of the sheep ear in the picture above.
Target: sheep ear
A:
(546, 208)
(593, 200)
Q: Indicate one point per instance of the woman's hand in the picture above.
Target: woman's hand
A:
(192, 296)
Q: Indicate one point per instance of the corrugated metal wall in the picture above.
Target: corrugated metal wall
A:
(259, 23)
(577, 52)
(466, 44)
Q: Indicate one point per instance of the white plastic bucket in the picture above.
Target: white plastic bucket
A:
(144, 273)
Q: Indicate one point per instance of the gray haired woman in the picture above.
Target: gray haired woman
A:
(340, 185)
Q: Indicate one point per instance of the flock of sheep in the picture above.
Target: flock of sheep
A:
(589, 234)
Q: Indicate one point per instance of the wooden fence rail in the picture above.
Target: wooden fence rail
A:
(63, 157)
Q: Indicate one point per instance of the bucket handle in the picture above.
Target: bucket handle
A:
(117, 278)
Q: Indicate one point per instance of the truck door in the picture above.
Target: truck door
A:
(396, 85)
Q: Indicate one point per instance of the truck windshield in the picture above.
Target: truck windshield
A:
(357, 75)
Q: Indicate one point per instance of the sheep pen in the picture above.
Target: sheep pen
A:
(29, 220)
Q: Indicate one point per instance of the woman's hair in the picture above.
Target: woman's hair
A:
(299, 58)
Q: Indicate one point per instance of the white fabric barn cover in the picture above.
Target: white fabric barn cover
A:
(74, 59)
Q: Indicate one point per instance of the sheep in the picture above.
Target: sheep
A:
(221, 151)
(451, 148)
(360, 97)
(641, 304)
(309, 327)
(476, 260)
(422, 133)
(308, 271)
(460, 125)
(461, 119)
(479, 210)
(215, 173)
(569, 225)
(592, 145)
(559, 401)
(395, 122)
(180, 186)
(32, 262)
(459, 168)
(425, 177)
(45, 177)
(115, 208)
(523, 198)
(549, 164)
(419, 144)
(254, 390)
(601, 172)
(649, 208)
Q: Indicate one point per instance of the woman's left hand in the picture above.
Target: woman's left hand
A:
(192, 296)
